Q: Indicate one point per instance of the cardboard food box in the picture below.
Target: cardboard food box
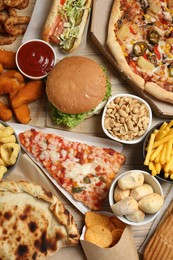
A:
(98, 32)
(123, 247)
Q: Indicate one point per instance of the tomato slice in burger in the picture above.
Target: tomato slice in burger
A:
(62, 2)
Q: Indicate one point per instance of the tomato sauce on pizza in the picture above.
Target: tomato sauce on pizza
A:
(85, 171)
(140, 38)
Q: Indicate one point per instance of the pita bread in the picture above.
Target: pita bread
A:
(33, 222)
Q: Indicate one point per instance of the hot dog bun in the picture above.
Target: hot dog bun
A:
(67, 35)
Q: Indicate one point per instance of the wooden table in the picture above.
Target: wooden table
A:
(134, 159)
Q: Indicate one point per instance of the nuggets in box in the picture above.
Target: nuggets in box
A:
(133, 197)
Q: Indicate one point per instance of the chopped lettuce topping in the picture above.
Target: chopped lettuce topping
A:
(70, 120)
(72, 12)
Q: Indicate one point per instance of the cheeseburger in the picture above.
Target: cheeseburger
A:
(77, 88)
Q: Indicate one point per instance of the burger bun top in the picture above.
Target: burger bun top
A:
(76, 85)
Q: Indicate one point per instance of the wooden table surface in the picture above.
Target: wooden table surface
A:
(133, 153)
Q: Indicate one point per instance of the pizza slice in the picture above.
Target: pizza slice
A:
(85, 171)
(34, 222)
(140, 37)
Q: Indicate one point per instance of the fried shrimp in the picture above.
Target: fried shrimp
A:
(2, 5)
(7, 59)
(22, 114)
(18, 4)
(3, 16)
(5, 112)
(1, 69)
(14, 74)
(12, 12)
(16, 25)
(8, 85)
(32, 91)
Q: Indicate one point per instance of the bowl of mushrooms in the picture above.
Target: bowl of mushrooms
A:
(126, 118)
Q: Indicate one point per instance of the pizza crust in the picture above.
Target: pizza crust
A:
(114, 43)
(158, 92)
(116, 50)
(34, 223)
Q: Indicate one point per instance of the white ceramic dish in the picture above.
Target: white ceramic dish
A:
(116, 138)
(74, 137)
(35, 59)
(148, 178)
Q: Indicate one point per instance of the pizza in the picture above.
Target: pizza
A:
(84, 171)
(140, 38)
(34, 223)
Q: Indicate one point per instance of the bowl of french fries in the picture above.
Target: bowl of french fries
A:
(158, 151)
(9, 150)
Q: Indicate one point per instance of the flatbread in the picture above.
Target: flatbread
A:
(34, 224)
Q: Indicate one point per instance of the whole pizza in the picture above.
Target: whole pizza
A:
(140, 38)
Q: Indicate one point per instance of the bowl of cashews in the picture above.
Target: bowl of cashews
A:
(9, 149)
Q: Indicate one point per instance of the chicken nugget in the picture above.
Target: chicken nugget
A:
(14, 74)
(22, 114)
(8, 85)
(31, 91)
(5, 112)
(7, 59)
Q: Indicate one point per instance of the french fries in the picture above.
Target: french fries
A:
(159, 156)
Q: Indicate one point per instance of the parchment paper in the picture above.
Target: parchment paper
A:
(124, 250)
(35, 27)
(26, 170)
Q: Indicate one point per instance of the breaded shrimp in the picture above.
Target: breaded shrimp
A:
(7, 59)
(5, 112)
(8, 85)
(22, 114)
(31, 91)
(15, 75)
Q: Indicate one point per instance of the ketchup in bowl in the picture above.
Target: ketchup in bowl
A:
(35, 59)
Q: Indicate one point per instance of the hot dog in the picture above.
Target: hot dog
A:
(66, 22)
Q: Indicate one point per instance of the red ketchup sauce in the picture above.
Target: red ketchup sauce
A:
(35, 58)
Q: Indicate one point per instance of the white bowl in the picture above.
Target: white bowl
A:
(116, 118)
(35, 59)
(148, 178)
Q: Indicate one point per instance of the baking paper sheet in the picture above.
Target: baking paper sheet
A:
(35, 27)
(91, 140)
(27, 170)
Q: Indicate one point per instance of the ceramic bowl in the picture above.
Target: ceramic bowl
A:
(148, 178)
(35, 59)
(126, 118)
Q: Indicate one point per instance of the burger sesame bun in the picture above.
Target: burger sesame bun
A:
(76, 85)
